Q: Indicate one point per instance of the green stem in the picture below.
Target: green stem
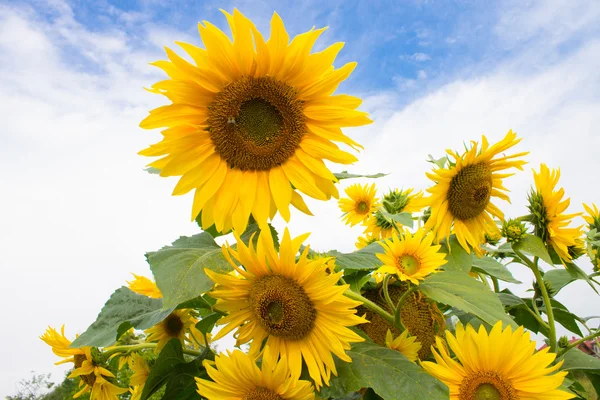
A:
(578, 342)
(549, 311)
(141, 346)
(538, 318)
(496, 284)
(401, 301)
(370, 305)
(386, 291)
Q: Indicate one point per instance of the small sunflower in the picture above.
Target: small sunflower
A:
(547, 206)
(411, 257)
(292, 303)
(395, 202)
(407, 345)
(501, 365)
(101, 389)
(592, 217)
(144, 286)
(236, 376)
(365, 240)
(461, 197)
(360, 204)
(251, 122)
(176, 326)
(60, 345)
(140, 369)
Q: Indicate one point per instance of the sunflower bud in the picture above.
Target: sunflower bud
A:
(563, 342)
(513, 230)
(549, 289)
(395, 201)
(538, 216)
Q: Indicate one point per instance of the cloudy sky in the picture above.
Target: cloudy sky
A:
(77, 211)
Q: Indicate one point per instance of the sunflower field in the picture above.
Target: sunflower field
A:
(418, 311)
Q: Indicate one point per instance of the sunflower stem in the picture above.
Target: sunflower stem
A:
(370, 305)
(141, 346)
(542, 287)
(401, 301)
(578, 342)
(496, 284)
(386, 292)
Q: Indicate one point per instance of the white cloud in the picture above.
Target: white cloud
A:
(81, 213)
(422, 74)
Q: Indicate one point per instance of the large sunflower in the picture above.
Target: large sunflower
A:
(411, 257)
(501, 365)
(360, 204)
(294, 304)
(252, 121)
(238, 377)
(547, 206)
(463, 192)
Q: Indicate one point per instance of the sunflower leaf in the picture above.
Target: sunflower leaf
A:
(179, 269)
(492, 267)
(124, 309)
(459, 290)
(346, 175)
(533, 246)
(575, 359)
(373, 365)
(458, 259)
(170, 357)
(364, 258)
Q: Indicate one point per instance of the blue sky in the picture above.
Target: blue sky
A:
(81, 212)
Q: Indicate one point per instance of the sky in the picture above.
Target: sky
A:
(78, 212)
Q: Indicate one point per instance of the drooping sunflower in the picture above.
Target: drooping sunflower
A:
(236, 376)
(547, 206)
(501, 365)
(60, 345)
(461, 197)
(360, 204)
(144, 286)
(176, 326)
(407, 345)
(249, 119)
(395, 202)
(294, 304)
(411, 257)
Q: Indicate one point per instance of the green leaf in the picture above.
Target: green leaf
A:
(575, 359)
(179, 268)
(364, 258)
(578, 273)
(197, 302)
(346, 175)
(152, 170)
(390, 374)
(459, 290)
(357, 280)
(170, 357)
(509, 300)
(567, 319)
(458, 259)
(206, 324)
(211, 230)
(253, 229)
(558, 279)
(492, 267)
(403, 218)
(181, 384)
(123, 309)
(533, 246)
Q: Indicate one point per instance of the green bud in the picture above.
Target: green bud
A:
(513, 230)
(563, 342)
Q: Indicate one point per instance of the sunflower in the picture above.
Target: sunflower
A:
(61, 345)
(176, 326)
(236, 376)
(411, 257)
(463, 191)
(101, 389)
(407, 345)
(251, 122)
(141, 370)
(144, 286)
(395, 202)
(547, 206)
(294, 304)
(365, 240)
(360, 204)
(501, 365)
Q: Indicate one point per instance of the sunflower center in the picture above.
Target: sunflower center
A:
(408, 264)
(260, 393)
(173, 325)
(88, 379)
(256, 123)
(486, 386)
(470, 191)
(362, 207)
(282, 307)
